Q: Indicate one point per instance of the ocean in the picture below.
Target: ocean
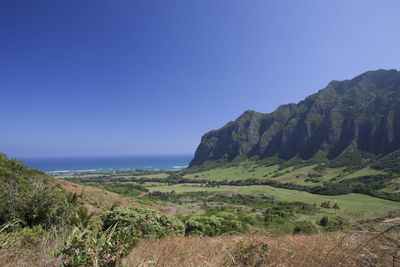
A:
(53, 165)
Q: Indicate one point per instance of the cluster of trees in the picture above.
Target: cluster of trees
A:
(276, 215)
(283, 214)
(254, 201)
(331, 224)
(390, 162)
(369, 185)
(327, 205)
(125, 189)
(188, 197)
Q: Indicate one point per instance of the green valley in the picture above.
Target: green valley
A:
(326, 168)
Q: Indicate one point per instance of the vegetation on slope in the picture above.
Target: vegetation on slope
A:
(32, 198)
(46, 220)
(347, 120)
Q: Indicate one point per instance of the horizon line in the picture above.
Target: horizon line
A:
(113, 155)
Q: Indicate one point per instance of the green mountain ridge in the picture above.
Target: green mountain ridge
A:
(359, 117)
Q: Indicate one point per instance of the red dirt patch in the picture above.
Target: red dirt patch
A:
(169, 211)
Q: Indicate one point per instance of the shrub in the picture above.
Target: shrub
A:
(125, 189)
(30, 196)
(304, 227)
(22, 237)
(274, 213)
(220, 223)
(336, 224)
(97, 248)
(38, 204)
(203, 226)
(145, 221)
(324, 221)
(326, 204)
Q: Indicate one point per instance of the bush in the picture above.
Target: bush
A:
(326, 204)
(97, 248)
(145, 221)
(304, 227)
(125, 189)
(336, 224)
(22, 237)
(220, 223)
(203, 226)
(30, 196)
(324, 221)
(274, 213)
(38, 204)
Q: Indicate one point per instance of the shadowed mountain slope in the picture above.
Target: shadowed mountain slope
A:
(361, 114)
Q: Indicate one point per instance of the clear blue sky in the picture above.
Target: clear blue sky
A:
(129, 77)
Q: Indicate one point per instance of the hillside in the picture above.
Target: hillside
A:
(13, 172)
(29, 198)
(357, 118)
(246, 224)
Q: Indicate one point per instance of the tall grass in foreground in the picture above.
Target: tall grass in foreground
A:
(361, 248)
(27, 247)
(357, 249)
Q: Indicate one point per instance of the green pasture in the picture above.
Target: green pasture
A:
(353, 206)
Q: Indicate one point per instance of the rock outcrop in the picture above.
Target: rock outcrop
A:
(362, 113)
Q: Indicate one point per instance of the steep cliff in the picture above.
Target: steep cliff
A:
(362, 113)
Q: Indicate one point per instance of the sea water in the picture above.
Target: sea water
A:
(53, 165)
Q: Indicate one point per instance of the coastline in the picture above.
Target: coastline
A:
(106, 164)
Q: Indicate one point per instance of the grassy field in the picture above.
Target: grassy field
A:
(307, 175)
(352, 206)
(240, 172)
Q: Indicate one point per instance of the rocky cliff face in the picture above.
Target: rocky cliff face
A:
(362, 113)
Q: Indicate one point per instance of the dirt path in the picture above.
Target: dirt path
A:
(169, 211)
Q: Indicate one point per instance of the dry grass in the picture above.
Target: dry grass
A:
(359, 248)
(96, 199)
(29, 255)
(355, 249)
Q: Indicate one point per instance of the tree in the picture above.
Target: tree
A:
(326, 204)
(324, 221)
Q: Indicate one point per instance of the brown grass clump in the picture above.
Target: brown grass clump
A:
(24, 253)
(96, 200)
(355, 249)
(361, 248)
